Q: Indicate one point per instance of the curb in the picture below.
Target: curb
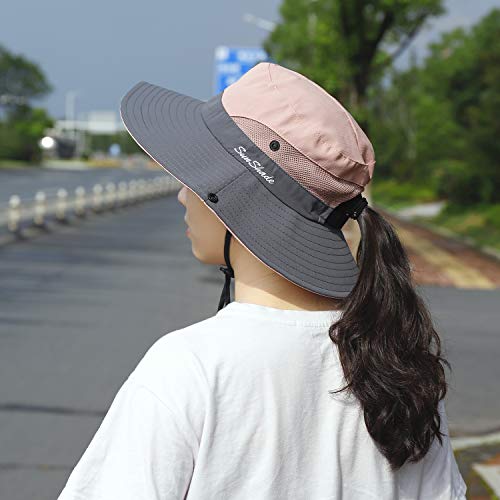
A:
(462, 443)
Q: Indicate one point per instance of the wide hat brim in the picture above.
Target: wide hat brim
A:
(170, 128)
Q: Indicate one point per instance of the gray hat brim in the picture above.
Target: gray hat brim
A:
(169, 127)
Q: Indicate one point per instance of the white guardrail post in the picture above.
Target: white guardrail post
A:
(112, 196)
(61, 205)
(14, 215)
(80, 201)
(122, 193)
(40, 209)
(132, 190)
(97, 197)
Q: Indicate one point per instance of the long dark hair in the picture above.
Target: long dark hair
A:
(389, 350)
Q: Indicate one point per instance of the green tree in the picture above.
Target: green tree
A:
(22, 126)
(443, 116)
(21, 80)
(21, 131)
(344, 45)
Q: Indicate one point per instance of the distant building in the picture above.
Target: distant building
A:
(93, 122)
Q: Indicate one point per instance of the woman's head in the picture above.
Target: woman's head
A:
(274, 156)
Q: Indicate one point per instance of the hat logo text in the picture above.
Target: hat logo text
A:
(254, 164)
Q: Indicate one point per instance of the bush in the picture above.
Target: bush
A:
(461, 183)
(396, 194)
(10, 142)
(20, 133)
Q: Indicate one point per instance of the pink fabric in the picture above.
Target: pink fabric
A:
(306, 116)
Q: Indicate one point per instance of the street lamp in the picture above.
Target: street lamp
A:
(70, 111)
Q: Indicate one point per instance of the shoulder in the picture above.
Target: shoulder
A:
(196, 353)
(177, 352)
(213, 336)
(168, 358)
(205, 354)
(180, 357)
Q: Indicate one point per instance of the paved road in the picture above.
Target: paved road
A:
(25, 182)
(79, 308)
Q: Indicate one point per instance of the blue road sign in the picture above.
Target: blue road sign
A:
(233, 62)
(114, 150)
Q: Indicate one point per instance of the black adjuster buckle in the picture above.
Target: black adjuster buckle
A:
(350, 208)
(359, 207)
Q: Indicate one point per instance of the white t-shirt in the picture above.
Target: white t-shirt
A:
(237, 407)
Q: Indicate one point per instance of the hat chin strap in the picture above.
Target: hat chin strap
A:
(225, 297)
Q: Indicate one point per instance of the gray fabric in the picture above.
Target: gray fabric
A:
(284, 187)
(169, 126)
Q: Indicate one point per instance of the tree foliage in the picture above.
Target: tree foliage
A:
(21, 125)
(345, 46)
(21, 131)
(438, 122)
(21, 80)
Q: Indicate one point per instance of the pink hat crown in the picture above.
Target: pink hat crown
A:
(320, 144)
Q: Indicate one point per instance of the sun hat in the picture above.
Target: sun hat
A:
(278, 160)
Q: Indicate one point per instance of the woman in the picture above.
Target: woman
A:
(324, 377)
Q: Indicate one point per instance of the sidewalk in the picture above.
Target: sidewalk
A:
(419, 215)
(440, 260)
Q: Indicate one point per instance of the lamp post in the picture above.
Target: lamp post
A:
(70, 111)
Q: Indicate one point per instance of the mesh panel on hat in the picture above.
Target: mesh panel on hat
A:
(329, 189)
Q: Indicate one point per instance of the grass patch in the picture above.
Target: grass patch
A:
(481, 223)
(105, 162)
(16, 164)
(394, 195)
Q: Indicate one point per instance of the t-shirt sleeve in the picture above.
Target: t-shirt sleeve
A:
(442, 476)
(436, 476)
(146, 445)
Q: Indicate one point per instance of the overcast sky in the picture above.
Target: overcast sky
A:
(102, 48)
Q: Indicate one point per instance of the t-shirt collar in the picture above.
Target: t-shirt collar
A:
(291, 316)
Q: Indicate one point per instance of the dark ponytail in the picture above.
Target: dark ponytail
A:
(385, 338)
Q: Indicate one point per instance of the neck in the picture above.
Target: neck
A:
(256, 283)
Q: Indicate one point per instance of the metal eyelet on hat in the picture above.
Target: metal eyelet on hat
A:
(274, 145)
(213, 197)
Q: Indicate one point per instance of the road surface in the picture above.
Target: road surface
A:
(79, 308)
